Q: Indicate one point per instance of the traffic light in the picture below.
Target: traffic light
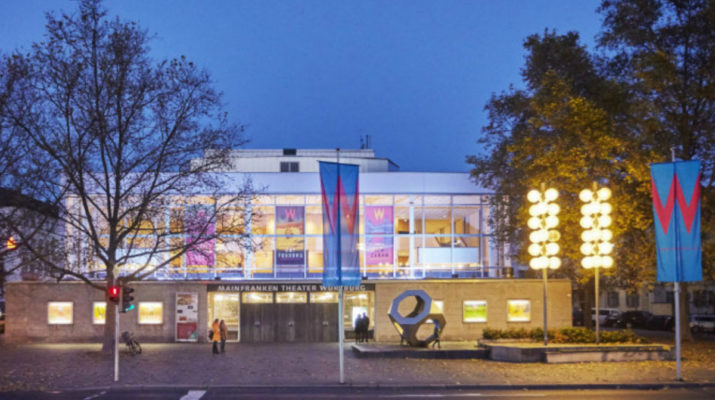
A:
(113, 292)
(127, 299)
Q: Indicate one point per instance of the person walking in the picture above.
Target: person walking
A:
(436, 334)
(215, 335)
(224, 333)
(365, 327)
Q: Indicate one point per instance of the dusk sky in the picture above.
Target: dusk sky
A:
(414, 75)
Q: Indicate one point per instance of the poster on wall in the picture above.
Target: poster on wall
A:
(518, 310)
(378, 220)
(198, 225)
(187, 317)
(290, 220)
(379, 250)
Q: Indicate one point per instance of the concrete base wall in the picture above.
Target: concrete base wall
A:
(27, 303)
(27, 308)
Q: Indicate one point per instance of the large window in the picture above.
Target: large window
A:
(151, 313)
(401, 236)
(59, 313)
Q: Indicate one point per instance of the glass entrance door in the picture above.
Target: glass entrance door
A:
(224, 306)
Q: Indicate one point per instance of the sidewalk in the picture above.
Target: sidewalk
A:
(65, 366)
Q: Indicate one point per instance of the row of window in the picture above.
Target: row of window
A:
(62, 313)
(152, 313)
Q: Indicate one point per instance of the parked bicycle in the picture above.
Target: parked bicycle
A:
(132, 345)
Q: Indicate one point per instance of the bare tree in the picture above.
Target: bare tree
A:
(110, 134)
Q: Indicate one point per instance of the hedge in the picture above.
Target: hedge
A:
(564, 335)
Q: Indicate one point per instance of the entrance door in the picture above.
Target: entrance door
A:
(258, 317)
(224, 306)
(323, 322)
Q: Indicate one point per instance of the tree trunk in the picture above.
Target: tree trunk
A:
(685, 334)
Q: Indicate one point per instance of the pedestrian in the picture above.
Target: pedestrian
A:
(436, 335)
(224, 332)
(357, 326)
(366, 327)
(215, 335)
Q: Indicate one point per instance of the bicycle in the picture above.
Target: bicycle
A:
(132, 344)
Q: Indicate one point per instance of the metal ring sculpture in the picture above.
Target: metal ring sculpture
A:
(408, 325)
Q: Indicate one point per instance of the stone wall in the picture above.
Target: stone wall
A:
(27, 315)
(27, 308)
(496, 292)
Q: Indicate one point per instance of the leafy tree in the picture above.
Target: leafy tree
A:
(665, 52)
(564, 131)
(605, 117)
(112, 134)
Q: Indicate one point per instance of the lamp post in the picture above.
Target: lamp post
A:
(596, 236)
(544, 237)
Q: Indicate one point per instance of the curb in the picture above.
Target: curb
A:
(407, 387)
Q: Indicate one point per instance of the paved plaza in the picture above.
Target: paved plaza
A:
(65, 366)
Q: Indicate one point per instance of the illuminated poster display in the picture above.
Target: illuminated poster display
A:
(379, 249)
(290, 220)
(187, 317)
(518, 310)
(475, 311)
(378, 220)
(197, 223)
(99, 312)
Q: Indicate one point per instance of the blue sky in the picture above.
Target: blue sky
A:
(414, 75)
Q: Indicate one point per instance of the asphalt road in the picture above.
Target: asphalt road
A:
(358, 393)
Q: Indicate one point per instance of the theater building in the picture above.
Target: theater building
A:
(418, 230)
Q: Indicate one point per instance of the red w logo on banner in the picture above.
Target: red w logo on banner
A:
(348, 212)
(665, 211)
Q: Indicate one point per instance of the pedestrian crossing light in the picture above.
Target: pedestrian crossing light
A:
(113, 293)
(127, 299)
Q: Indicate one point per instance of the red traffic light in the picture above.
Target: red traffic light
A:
(113, 293)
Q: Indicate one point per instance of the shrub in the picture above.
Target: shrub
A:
(564, 335)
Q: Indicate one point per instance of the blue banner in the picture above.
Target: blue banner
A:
(675, 188)
(339, 186)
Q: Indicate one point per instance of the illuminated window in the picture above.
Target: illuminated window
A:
(474, 311)
(99, 312)
(324, 297)
(518, 310)
(257, 298)
(151, 313)
(59, 313)
(264, 222)
(291, 297)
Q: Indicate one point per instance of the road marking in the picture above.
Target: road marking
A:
(193, 395)
(437, 395)
(94, 396)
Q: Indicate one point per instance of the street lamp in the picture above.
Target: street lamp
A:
(597, 245)
(543, 236)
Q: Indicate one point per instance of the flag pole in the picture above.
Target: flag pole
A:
(677, 292)
(341, 317)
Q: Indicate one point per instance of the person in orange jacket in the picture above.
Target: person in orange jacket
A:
(224, 333)
(216, 335)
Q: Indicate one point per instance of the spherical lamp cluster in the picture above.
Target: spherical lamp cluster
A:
(543, 236)
(596, 236)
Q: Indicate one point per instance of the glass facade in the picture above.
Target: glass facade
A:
(402, 236)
